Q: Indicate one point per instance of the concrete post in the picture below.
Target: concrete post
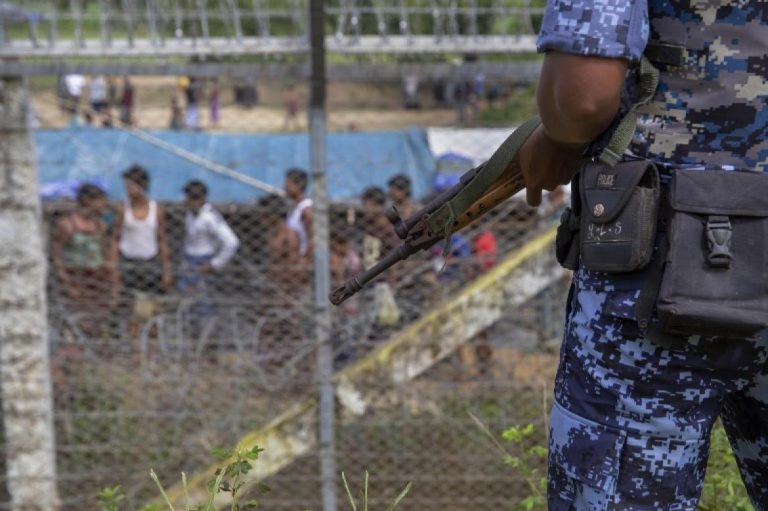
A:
(25, 383)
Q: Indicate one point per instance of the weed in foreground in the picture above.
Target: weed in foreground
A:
(364, 495)
(227, 479)
(526, 457)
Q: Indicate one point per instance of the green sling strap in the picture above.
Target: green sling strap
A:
(441, 221)
(648, 81)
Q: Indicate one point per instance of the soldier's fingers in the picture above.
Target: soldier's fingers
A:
(533, 196)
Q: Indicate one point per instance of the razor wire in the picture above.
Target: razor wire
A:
(146, 28)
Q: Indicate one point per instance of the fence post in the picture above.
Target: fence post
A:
(25, 383)
(320, 242)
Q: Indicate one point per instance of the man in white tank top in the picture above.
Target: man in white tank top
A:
(140, 245)
(300, 217)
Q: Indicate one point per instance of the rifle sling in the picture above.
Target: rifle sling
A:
(647, 82)
(441, 222)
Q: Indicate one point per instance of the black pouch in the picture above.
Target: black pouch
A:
(715, 279)
(618, 218)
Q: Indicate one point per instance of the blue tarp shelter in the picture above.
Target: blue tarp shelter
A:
(355, 161)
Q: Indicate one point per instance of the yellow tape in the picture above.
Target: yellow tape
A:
(485, 281)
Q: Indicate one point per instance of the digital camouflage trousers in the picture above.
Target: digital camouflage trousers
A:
(632, 417)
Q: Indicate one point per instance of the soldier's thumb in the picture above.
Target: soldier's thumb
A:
(533, 196)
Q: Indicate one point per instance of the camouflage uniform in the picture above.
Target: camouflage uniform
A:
(631, 422)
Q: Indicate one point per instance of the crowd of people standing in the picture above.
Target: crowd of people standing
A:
(108, 102)
(94, 100)
(103, 266)
(106, 263)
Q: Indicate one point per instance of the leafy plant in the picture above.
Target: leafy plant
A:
(110, 498)
(528, 463)
(228, 479)
(527, 458)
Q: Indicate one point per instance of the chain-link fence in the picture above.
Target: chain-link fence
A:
(179, 226)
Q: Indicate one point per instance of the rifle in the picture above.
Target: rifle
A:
(479, 190)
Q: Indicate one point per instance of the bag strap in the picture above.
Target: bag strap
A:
(648, 81)
(441, 222)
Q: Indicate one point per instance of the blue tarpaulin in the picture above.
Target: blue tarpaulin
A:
(355, 161)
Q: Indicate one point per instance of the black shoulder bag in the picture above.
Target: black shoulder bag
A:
(715, 278)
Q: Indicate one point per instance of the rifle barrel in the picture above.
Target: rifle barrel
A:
(489, 201)
(418, 237)
(356, 283)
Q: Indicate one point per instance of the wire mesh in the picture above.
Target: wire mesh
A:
(180, 322)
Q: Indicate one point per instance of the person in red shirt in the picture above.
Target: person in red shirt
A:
(484, 248)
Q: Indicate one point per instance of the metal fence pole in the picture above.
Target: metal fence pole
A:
(320, 242)
(25, 382)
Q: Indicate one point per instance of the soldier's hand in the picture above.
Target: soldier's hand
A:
(546, 164)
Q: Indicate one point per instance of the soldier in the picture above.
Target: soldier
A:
(632, 415)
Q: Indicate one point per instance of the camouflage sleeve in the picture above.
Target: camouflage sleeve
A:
(604, 28)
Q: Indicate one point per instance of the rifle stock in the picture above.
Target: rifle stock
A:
(479, 190)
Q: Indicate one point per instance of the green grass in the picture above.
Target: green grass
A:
(723, 489)
(518, 107)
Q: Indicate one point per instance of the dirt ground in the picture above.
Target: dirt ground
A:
(351, 106)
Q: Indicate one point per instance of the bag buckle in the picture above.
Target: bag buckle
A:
(719, 241)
